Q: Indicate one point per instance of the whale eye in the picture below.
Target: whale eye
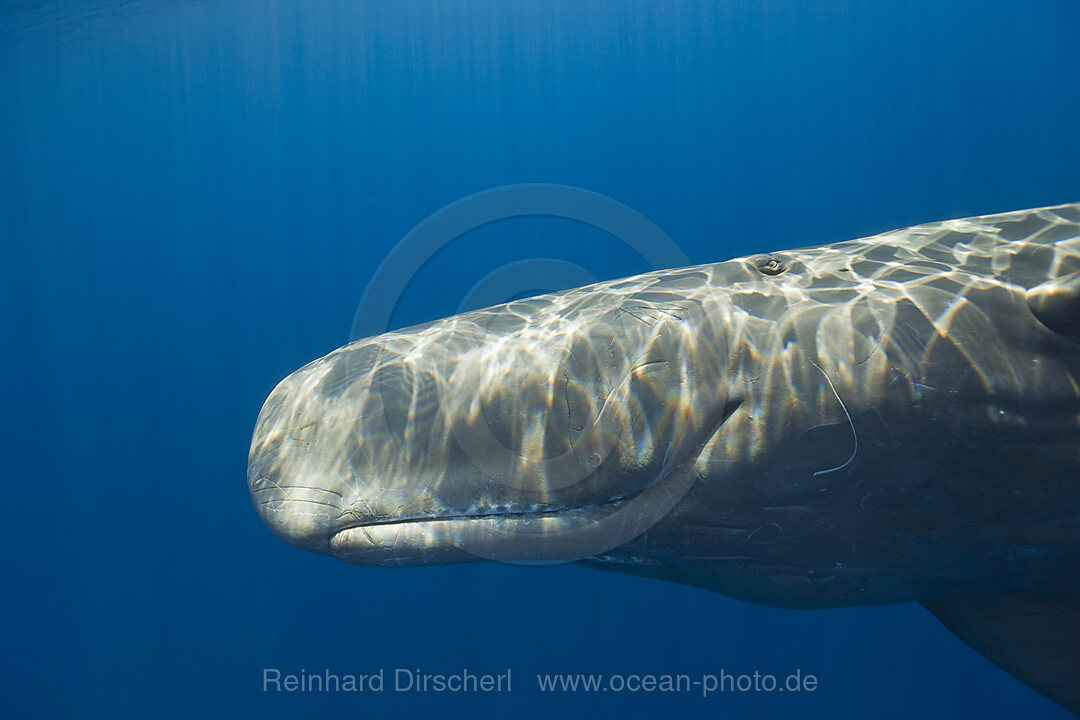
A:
(769, 264)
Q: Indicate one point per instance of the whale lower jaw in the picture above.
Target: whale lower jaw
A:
(543, 537)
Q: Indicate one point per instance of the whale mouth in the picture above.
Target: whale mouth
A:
(524, 536)
(534, 535)
(540, 537)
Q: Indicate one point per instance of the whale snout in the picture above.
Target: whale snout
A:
(296, 470)
(304, 517)
(457, 440)
(301, 515)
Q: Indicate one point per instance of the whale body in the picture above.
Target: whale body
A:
(884, 420)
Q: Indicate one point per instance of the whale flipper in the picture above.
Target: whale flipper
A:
(1035, 638)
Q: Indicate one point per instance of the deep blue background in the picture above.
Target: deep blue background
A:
(193, 196)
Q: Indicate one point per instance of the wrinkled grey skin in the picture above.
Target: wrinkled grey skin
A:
(883, 420)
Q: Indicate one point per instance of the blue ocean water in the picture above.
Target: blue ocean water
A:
(194, 196)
